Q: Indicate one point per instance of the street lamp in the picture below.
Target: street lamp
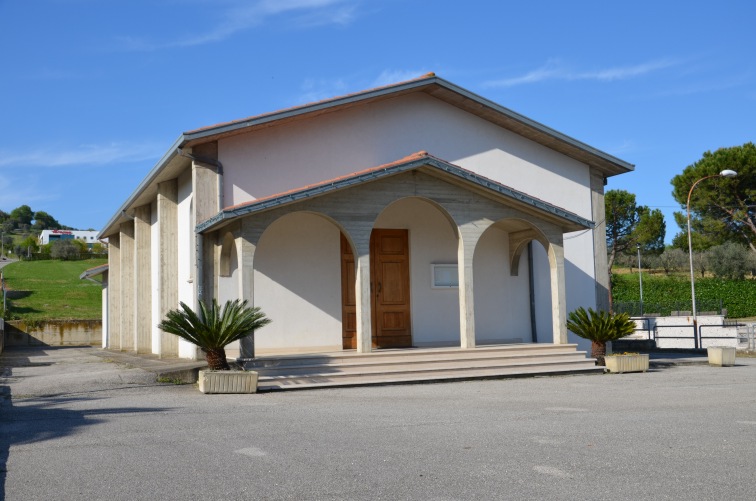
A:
(640, 279)
(724, 173)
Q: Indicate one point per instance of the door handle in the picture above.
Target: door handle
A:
(379, 287)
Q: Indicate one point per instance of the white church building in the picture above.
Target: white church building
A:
(413, 215)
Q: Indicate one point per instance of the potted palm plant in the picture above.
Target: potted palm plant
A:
(599, 327)
(212, 329)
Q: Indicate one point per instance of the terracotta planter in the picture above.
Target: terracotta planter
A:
(627, 363)
(227, 381)
(721, 356)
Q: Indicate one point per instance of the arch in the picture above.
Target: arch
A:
(511, 306)
(436, 205)
(432, 239)
(228, 248)
(297, 283)
(228, 270)
(521, 232)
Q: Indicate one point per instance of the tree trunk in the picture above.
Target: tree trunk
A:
(216, 359)
(598, 351)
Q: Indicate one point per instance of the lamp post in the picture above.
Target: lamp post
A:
(640, 279)
(724, 173)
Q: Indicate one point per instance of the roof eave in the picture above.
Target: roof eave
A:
(212, 132)
(111, 226)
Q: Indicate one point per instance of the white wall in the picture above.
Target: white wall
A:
(104, 307)
(228, 286)
(677, 332)
(185, 252)
(282, 158)
(297, 283)
(502, 301)
(434, 312)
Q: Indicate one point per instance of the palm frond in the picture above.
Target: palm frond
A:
(599, 326)
(213, 327)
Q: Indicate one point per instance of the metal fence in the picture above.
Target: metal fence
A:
(747, 336)
(671, 309)
(685, 336)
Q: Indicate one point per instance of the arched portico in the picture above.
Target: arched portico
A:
(511, 290)
(357, 211)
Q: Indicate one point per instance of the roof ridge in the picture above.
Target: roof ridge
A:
(426, 76)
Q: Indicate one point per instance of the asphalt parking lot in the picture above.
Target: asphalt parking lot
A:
(75, 425)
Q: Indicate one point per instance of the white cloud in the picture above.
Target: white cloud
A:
(318, 89)
(17, 193)
(388, 77)
(83, 155)
(243, 15)
(554, 69)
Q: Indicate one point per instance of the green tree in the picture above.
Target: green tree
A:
(65, 250)
(99, 248)
(213, 327)
(730, 260)
(673, 259)
(29, 244)
(22, 215)
(44, 221)
(722, 209)
(629, 224)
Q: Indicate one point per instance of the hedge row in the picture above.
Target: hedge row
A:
(737, 296)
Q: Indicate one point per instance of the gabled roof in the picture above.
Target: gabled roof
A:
(171, 164)
(440, 89)
(420, 160)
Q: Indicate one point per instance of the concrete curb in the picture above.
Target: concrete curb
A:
(172, 369)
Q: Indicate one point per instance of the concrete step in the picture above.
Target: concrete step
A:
(398, 365)
(405, 355)
(417, 365)
(340, 380)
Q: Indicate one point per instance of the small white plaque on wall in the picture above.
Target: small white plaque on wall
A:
(444, 276)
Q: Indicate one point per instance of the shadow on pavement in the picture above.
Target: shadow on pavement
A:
(37, 419)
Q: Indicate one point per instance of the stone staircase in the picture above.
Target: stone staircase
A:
(292, 372)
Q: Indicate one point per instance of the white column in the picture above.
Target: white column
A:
(469, 235)
(250, 236)
(558, 291)
(363, 300)
(466, 292)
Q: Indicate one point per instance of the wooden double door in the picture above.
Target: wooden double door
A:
(389, 290)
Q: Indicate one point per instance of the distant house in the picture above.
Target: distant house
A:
(416, 214)
(48, 236)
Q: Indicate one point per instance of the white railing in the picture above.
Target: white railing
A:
(747, 337)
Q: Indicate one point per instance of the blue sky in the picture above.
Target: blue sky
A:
(93, 92)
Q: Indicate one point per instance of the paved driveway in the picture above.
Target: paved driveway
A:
(76, 426)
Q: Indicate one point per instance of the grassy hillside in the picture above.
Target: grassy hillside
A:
(45, 290)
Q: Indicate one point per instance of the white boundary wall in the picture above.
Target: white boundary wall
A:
(677, 332)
